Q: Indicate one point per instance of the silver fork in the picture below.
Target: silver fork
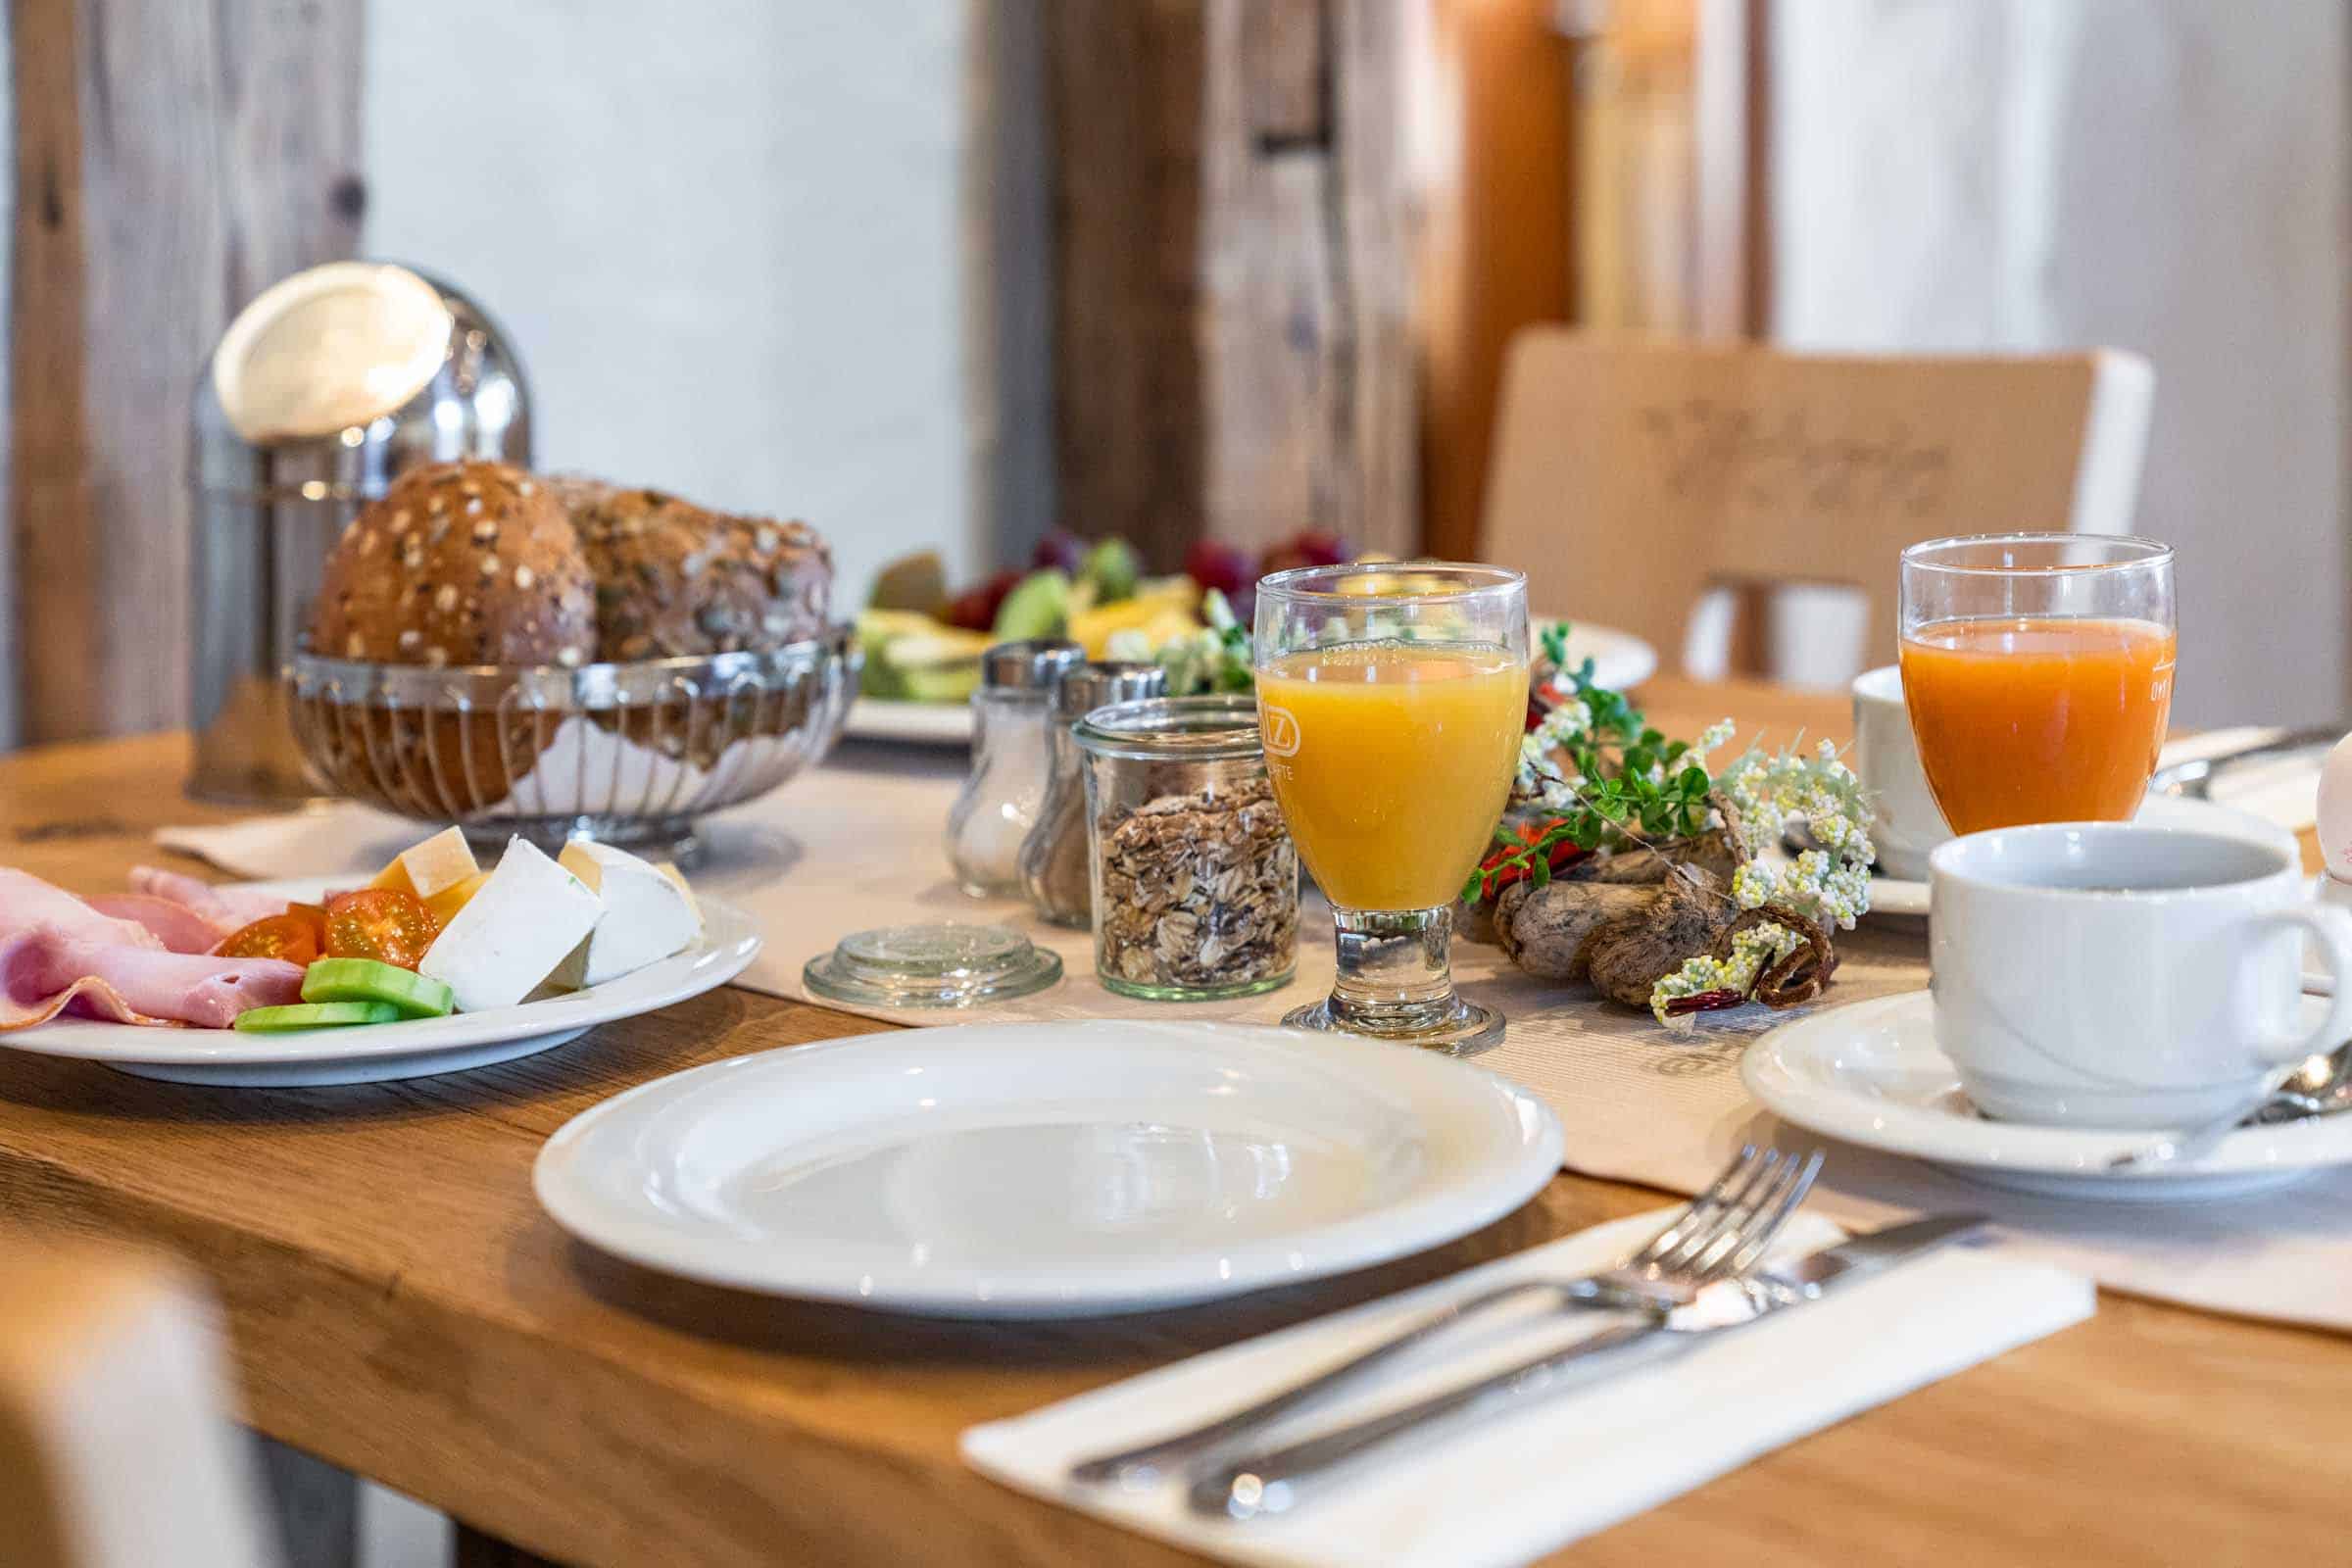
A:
(1720, 1234)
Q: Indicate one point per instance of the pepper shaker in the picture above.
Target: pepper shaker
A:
(1054, 870)
(1010, 762)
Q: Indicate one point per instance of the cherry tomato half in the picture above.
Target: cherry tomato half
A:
(280, 936)
(380, 923)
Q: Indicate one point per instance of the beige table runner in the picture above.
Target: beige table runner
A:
(858, 843)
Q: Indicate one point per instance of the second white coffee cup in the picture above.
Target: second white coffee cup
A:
(2098, 974)
(1886, 757)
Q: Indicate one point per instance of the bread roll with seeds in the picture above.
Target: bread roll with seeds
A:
(458, 563)
(676, 579)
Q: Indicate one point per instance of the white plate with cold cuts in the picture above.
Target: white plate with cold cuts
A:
(1872, 1073)
(2177, 813)
(1620, 660)
(414, 1048)
(1047, 1170)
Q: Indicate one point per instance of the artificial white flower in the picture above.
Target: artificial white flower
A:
(1754, 951)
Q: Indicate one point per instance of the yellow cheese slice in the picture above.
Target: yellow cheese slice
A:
(576, 859)
(670, 869)
(446, 903)
(441, 861)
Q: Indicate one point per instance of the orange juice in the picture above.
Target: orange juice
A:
(1392, 762)
(2037, 719)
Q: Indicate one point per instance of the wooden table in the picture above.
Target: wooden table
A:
(399, 1306)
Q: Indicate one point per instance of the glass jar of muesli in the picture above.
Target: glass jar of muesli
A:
(1196, 884)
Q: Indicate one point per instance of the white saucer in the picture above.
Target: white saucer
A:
(2179, 813)
(1871, 1074)
(1048, 1170)
(1621, 661)
(418, 1048)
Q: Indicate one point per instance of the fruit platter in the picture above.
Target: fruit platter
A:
(435, 965)
(922, 639)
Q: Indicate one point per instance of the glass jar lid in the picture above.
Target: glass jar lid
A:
(949, 964)
(1208, 729)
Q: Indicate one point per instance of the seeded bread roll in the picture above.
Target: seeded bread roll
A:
(674, 578)
(458, 563)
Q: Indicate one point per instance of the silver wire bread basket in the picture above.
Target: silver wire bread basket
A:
(631, 753)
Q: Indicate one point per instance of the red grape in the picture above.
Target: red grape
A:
(1222, 566)
(1059, 547)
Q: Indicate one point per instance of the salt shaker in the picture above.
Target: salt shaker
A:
(1010, 762)
(1054, 870)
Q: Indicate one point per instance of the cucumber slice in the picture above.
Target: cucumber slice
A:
(372, 980)
(316, 1016)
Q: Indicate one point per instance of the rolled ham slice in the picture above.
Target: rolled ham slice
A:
(27, 902)
(44, 972)
(228, 908)
(178, 927)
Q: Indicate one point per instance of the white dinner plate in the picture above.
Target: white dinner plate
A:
(1871, 1073)
(414, 1048)
(1047, 1169)
(2177, 814)
(1620, 660)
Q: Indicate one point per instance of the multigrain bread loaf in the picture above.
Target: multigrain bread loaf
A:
(674, 578)
(458, 563)
(480, 564)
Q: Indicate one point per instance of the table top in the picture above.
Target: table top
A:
(397, 1303)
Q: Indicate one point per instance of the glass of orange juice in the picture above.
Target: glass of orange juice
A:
(2038, 668)
(1391, 698)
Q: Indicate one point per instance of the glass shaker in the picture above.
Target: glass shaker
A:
(1010, 760)
(1053, 857)
(1195, 881)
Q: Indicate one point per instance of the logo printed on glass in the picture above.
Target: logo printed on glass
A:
(1282, 731)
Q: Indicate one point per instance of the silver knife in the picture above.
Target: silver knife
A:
(1274, 1481)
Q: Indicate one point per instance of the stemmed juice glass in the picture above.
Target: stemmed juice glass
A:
(1392, 698)
(2038, 668)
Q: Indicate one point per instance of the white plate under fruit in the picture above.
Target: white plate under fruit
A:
(1048, 1170)
(416, 1048)
(1620, 660)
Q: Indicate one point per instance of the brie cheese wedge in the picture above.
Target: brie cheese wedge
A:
(647, 916)
(512, 934)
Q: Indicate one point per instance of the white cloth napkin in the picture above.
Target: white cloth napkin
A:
(1509, 1487)
(335, 840)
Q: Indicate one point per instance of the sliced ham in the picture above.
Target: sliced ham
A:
(27, 902)
(228, 908)
(44, 972)
(178, 927)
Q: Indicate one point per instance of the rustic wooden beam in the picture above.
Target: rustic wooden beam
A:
(1233, 270)
(1495, 252)
(171, 161)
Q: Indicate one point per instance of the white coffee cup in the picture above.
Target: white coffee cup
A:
(2098, 974)
(1886, 757)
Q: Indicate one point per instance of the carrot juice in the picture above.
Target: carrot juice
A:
(1392, 762)
(2037, 719)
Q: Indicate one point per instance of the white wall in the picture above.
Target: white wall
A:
(2019, 174)
(729, 237)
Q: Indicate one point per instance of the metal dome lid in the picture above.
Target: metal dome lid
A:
(333, 381)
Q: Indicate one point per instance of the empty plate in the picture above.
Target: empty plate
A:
(1048, 1170)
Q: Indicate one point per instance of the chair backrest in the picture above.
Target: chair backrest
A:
(1629, 476)
(116, 1448)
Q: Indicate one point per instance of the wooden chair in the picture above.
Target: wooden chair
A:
(1631, 478)
(115, 1447)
